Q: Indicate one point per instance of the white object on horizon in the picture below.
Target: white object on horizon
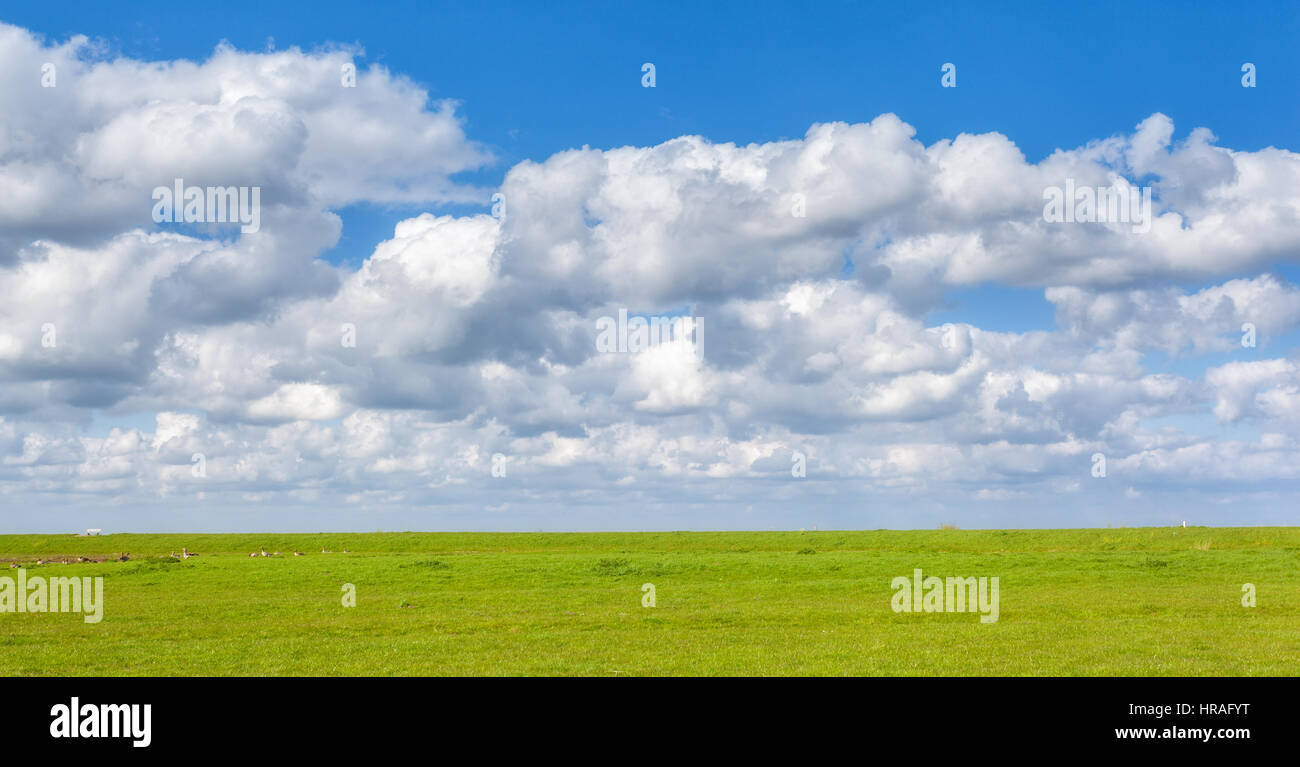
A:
(93, 531)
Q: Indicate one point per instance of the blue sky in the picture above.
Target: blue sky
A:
(539, 78)
(531, 81)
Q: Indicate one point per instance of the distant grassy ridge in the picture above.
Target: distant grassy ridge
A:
(1090, 539)
(1128, 601)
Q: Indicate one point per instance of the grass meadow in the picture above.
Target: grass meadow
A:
(1144, 601)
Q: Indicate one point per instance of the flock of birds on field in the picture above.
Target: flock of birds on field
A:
(185, 554)
(15, 564)
(261, 552)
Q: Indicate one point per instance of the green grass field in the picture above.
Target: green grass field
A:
(1150, 601)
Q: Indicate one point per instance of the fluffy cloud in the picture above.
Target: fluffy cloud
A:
(80, 159)
(1175, 322)
(1265, 389)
